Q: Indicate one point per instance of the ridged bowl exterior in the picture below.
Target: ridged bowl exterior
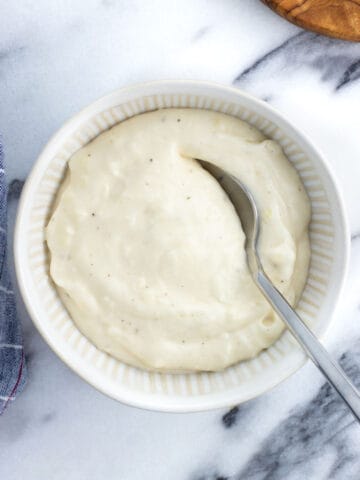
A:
(194, 391)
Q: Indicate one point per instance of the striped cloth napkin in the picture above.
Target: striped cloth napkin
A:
(12, 367)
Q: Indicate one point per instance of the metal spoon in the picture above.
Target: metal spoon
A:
(245, 206)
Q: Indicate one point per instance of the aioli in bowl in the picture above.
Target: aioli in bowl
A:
(147, 251)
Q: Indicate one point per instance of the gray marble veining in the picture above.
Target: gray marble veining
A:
(337, 62)
(298, 443)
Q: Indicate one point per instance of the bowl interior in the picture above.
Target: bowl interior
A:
(178, 392)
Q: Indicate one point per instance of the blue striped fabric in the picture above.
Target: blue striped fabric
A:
(12, 366)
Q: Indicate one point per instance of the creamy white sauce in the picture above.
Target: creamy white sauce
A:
(148, 252)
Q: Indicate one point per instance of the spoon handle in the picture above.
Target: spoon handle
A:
(334, 374)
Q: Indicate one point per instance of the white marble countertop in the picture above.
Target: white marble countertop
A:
(56, 57)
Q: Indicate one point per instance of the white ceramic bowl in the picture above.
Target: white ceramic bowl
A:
(185, 392)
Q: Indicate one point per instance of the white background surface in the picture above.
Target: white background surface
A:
(55, 58)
